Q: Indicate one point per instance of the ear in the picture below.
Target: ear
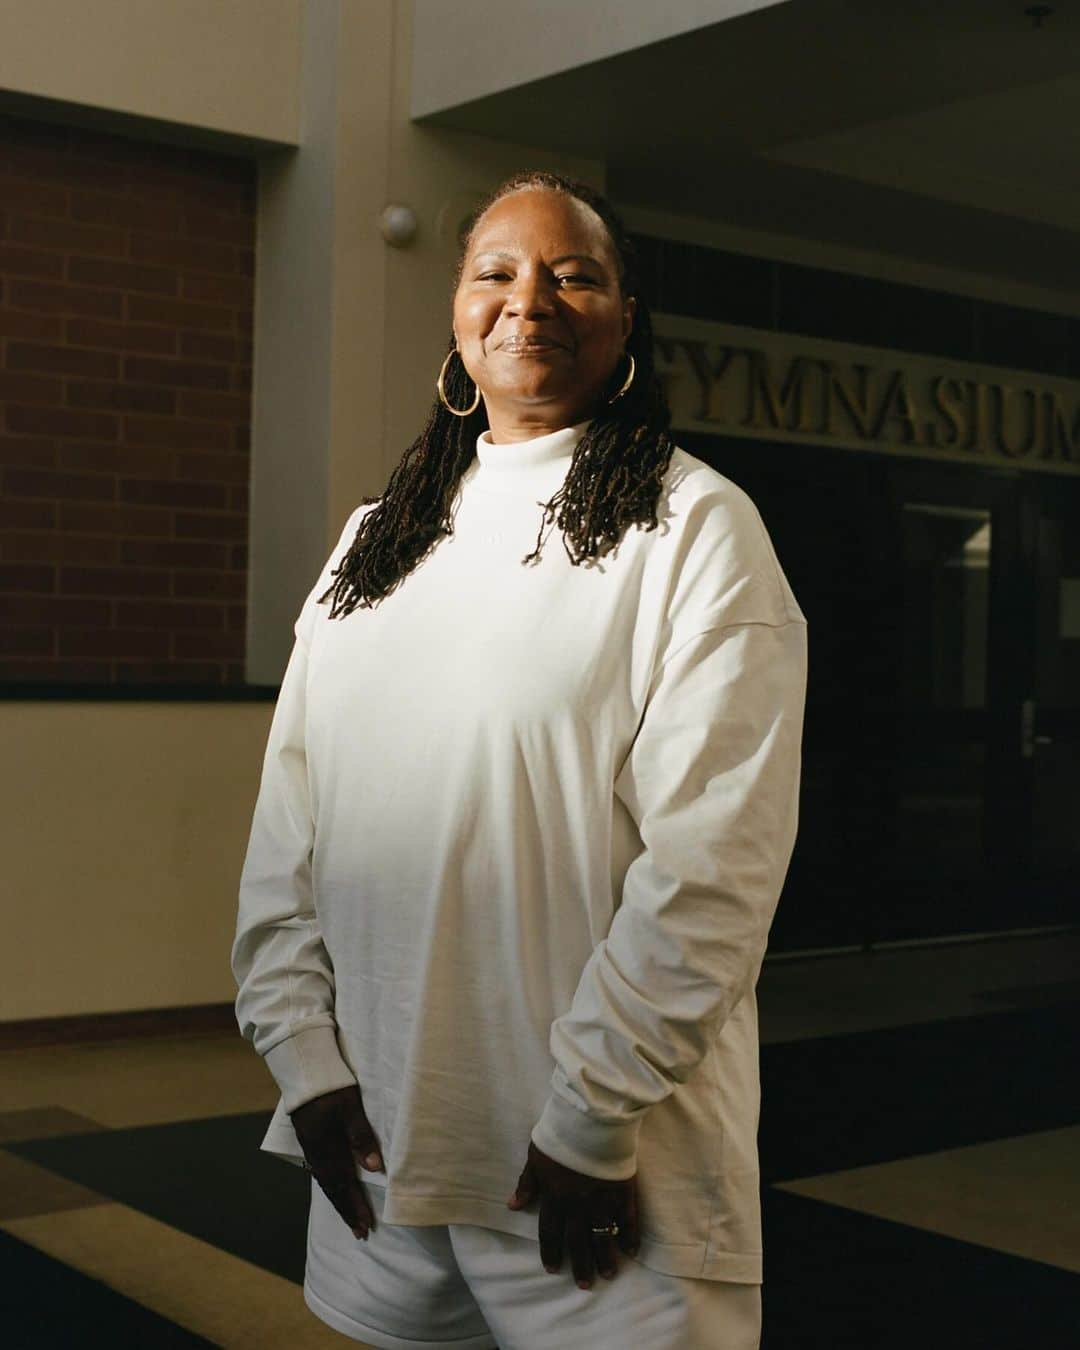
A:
(629, 310)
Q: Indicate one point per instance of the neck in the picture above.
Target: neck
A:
(507, 425)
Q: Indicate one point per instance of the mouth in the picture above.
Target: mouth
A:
(529, 346)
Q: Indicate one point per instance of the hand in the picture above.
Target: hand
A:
(571, 1205)
(333, 1130)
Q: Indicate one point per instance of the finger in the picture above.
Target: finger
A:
(579, 1242)
(604, 1254)
(361, 1137)
(344, 1191)
(550, 1231)
(525, 1191)
(629, 1238)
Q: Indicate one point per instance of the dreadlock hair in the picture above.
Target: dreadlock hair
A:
(615, 473)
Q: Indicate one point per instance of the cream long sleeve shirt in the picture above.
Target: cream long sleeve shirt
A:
(518, 842)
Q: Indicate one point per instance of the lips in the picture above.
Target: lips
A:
(519, 343)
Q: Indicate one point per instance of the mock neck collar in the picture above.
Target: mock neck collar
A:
(525, 466)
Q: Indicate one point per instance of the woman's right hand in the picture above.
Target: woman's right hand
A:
(333, 1131)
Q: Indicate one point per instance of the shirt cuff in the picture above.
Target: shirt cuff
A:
(307, 1064)
(598, 1148)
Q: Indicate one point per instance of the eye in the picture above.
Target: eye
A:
(577, 276)
(491, 276)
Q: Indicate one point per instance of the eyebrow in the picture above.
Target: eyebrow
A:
(563, 257)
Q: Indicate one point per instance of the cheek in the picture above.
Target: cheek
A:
(473, 317)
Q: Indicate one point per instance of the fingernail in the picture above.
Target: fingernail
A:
(360, 1233)
(373, 1162)
(583, 1284)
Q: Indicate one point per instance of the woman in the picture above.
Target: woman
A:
(521, 830)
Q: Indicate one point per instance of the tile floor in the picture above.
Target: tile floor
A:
(920, 1145)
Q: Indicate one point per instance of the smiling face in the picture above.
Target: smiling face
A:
(539, 317)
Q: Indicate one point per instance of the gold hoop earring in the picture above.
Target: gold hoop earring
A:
(458, 412)
(627, 382)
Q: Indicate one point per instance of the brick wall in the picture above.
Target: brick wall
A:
(125, 375)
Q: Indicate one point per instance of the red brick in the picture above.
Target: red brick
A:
(159, 492)
(22, 161)
(236, 617)
(51, 232)
(238, 557)
(225, 290)
(170, 614)
(26, 641)
(31, 388)
(185, 374)
(241, 379)
(210, 584)
(245, 261)
(238, 497)
(55, 672)
(27, 515)
(58, 485)
(224, 527)
(173, 672)
(226, 407)
(27, 577)
(174, 553)
(56, 547)
(110, 581)
(24, 324)
(62, 422)
(125, 336)
(122, 397)
(30, 451)
(30, 262)
(111, 147)
(228, 468)
(242, 437)
(124, 276)
(116, 208)
(202, 254)
(125, 459)
(53, 609)
(178, 313)
(83, 642)
(58, 299)
(189, 187)
(205, 644)
(124, 520)
(181, 434)
(230, 227)
(209, 347)
(37, 199)
(62, 360)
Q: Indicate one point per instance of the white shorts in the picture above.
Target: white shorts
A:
(462, 1287)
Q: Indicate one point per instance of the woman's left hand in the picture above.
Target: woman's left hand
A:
(571, 1205)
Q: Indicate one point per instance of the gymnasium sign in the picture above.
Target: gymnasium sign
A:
(751, 382)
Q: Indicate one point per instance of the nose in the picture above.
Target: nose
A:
(531, 296)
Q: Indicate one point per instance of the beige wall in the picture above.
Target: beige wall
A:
(125, 824)
(228, 66)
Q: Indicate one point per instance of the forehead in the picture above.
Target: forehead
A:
(532, 218)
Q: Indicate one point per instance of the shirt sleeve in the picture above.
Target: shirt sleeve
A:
(712, 782)
(283, 972)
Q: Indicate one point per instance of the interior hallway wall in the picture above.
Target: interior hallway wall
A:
(126, 822)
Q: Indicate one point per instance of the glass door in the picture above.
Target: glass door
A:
(1050, 726)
